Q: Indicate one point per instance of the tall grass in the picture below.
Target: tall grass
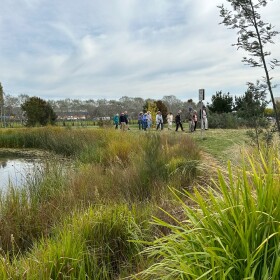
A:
(230, 231)
(64, 141)
(95, 244)
(108, 167)
(29, 211)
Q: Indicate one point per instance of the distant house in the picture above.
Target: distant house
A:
(101, 118)
(73, 116)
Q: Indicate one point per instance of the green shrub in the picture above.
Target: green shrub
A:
(224, 120)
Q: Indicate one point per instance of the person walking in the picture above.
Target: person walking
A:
(123, 121)
(159, 120)
(116, 121)
(178, 121)
(190, 119)
(204, 123)
(170, 120)
(140, 124)
(149, 117)
(145, 121)
(194, 119)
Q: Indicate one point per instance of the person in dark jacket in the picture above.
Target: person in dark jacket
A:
(123, 121)
(140, 123)
(178, 121)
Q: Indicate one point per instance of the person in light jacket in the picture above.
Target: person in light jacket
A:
(170, 120)
(204, 123)
(159, 120)
(149, 116)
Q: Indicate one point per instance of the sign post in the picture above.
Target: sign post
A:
(201, 97)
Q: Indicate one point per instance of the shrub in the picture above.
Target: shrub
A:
(224, 120)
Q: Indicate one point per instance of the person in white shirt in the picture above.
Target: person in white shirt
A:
(204, 124)
(170, 120)
(149, 116)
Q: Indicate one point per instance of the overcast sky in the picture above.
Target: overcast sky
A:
(92, 49)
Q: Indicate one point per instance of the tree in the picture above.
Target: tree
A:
(38, 111)
(190, 105)
(172, 103)
(1, 102)
(251, 108)
(253, 36)
(154, 106)
(221, 103)
(162, 107)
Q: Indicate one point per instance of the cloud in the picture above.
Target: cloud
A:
(107, 49)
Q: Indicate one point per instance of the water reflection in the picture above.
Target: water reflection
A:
(16, 172)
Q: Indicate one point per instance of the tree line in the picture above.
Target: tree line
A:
(252, 103)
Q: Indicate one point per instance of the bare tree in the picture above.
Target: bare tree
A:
(253, 37)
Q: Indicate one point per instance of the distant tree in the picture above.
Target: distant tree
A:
(155, 106)
(190, 104)
(251, 107)
(38, 111)
(1, 95)
(12, 107)
(172, 103)
(152, 107)
(2, 105)
(253, 36)
(221, 103)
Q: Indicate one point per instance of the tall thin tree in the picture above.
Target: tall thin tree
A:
(253, 37)
(2, 103)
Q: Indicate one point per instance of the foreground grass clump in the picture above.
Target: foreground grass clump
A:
(91, 245)
(231, 231)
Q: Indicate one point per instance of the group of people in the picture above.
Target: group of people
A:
(145, 120)
(121, 120)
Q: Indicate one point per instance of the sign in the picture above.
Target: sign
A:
(201, 94)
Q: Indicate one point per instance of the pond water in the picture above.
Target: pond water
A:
(16, 171)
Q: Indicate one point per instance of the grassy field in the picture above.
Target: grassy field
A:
(222, 144)
(142, 205)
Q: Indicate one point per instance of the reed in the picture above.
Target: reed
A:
(111, 174)
(29, 211)
(229, 232)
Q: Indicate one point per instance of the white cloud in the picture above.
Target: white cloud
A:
(93, 49)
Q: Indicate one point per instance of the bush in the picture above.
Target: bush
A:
(224, 120)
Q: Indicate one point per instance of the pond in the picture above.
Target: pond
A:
(17, 168)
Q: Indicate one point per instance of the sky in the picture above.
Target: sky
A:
(106, 49)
